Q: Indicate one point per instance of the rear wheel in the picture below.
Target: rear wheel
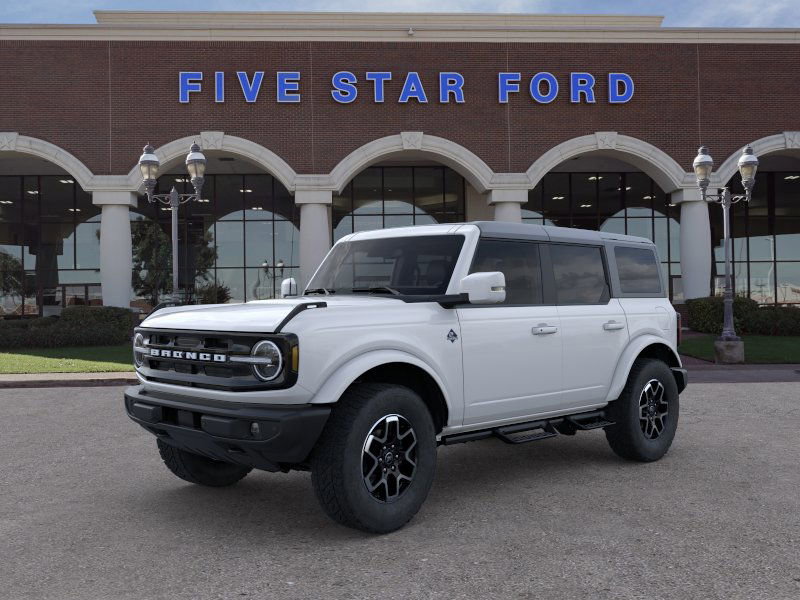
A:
(645, 414)
(375, 461)
(199, 469)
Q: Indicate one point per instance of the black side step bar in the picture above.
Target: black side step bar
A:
(531, 431)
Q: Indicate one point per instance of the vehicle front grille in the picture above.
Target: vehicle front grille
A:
(204, 373)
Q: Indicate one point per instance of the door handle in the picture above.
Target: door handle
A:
(543, 329)
(613, 326)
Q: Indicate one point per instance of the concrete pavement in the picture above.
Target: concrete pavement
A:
(88, 511)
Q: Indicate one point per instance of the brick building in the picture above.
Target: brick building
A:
(319, 124)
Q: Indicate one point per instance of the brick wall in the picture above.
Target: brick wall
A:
(102, 101)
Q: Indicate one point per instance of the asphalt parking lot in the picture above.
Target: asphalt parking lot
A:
(87, 510)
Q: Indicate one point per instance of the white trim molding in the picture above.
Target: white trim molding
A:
(441, 150)
(656, 163)
(11, 141)
(220, 141)
(788, 140)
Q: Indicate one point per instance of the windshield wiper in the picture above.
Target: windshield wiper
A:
(378, 289)
(321, 290)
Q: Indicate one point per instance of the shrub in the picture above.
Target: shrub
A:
(77, 326)
(706, 314)
(213, 293)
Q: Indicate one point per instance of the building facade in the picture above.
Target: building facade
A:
(316, 125)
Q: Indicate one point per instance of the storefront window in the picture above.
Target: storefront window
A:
(49, 246)
(628, 203)
(236, 245)
(766, 239)
(385, 197)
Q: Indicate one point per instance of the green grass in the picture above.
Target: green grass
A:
(760, 349)
(91, 359)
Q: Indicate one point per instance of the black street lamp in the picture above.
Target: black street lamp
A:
(703, 165)
(196, 165)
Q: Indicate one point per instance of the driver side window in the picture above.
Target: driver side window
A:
(519, 262)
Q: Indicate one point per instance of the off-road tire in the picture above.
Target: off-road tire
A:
(199, 469)
(336, 462)
(627, 437)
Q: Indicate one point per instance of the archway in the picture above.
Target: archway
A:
(765, 231)
(600, 191)
(236, 244)
(657, 164)
(49, 231)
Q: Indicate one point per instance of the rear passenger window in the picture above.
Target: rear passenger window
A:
(519, 262)
(638, 271)
(579, 274)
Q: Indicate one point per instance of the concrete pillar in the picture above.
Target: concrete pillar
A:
(695, 243)
(116, 255)
(315, 230)
(508, 204)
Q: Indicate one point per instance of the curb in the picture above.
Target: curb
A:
(21, 382)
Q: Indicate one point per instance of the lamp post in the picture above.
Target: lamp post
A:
(729, 347)
(196, 165)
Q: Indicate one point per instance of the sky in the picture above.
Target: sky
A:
(678, 13)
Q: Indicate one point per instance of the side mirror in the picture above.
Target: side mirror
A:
(288, 287)
(484, 288)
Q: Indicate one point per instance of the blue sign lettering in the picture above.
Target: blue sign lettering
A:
(378, 78)
(344, 89)
(288, 86)
(412, 88)
(581, 83)
(219, 86)
(451, 83)
(615, 95)
(507, 83)
(188, 81)
(543, 86)
(536, 88)
(250, 89)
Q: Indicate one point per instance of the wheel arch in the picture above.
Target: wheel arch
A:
(395, 367)
(646, 346)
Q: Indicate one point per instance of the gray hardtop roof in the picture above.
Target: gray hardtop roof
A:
(529, 231)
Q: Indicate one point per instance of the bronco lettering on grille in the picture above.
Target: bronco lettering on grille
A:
(182, 354)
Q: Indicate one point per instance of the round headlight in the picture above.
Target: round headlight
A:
(270, 360)
(138, 342)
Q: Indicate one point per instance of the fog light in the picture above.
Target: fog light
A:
(255, 429)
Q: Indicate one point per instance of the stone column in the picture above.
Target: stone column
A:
(695, 243)
(508, 204)
(116, 255)
(315, 230)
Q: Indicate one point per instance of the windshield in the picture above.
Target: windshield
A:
(418, 265)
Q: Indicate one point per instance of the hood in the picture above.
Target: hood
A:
(260, 316)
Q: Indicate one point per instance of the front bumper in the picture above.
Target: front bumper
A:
(285, 434)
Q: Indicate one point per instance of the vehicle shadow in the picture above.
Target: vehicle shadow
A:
(285, 506)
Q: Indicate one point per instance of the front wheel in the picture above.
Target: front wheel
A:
(645, 414)
(375, 461)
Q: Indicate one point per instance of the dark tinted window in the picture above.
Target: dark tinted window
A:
(579, 274)
(420, 265)
(519, 262)
(638, 271)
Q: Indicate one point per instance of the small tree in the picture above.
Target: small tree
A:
(152, 260)
(12, 278)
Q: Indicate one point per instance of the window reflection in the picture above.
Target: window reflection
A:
(233, 247)
(49, 245)
(627, 203)
(387, 197)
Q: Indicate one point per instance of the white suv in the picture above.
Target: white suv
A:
(406, 339)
